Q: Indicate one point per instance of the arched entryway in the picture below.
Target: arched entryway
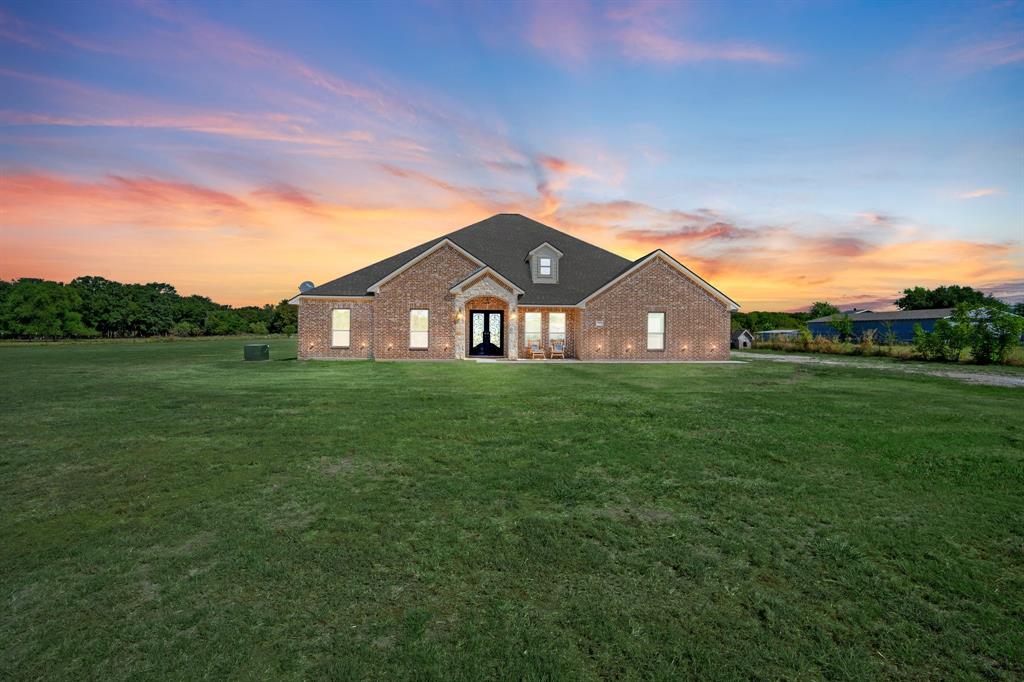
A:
(485, 320)
(486, 330)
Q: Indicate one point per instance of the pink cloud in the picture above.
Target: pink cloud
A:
(979, 193)
(644, 44)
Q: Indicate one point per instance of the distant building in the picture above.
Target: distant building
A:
(778, 334)
(742, 339)
(898, 323)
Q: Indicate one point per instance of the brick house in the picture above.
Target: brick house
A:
(494, 287)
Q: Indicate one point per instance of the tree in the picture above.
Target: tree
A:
(988, 331)
(1018, 309)
(224, 321)
(920, 298)
(843, 325)
(35, 308)
(822, 309)
(994, 331)
(286, 317)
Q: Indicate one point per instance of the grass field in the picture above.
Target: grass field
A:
(170, 511)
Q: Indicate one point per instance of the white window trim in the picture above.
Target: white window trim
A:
(527, 333)
(664, 329)
(426, 344)
(347, 331)
(561, 335)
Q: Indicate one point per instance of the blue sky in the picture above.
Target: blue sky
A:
(790, 152)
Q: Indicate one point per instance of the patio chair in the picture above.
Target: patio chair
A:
(557, 350)
(536, 351)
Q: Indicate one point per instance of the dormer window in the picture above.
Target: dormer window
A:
(544, 264)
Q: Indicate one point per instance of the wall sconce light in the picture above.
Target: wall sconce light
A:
(362, 345)
(512, 316)
(713, 346)
(311, 344)
(599, 346)
(458, 316)
(685, 347)
(390, 346)
(629, 347)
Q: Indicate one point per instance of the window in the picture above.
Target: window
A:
(545, 267)
(655, 331)
(419, 328)
(341, 327)
(556, 327)
(531, 328)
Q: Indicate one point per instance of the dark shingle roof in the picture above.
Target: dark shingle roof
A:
(932, 314)
(503, 242)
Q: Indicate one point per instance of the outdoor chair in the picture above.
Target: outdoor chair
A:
(557, 350)
(536, 351)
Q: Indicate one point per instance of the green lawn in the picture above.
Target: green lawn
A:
(170, 511)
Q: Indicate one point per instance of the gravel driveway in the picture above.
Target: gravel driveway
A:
(965, 375)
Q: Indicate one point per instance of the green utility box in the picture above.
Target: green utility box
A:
(257, 351)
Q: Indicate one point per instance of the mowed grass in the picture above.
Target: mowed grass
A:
(172, 512)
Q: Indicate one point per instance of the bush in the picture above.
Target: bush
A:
(258, 328)
(994, 332)
(185, 328)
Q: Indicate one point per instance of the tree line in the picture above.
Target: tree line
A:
(97, 307)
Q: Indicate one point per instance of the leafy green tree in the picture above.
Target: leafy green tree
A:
(224, 321)
(843, 325)
(35, 308)
(822, 309)
(1018, 309)
(920, 298)
(286, 316)
(994, 331)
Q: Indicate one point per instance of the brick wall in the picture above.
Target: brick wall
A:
(315, 329)
(424, 285)
(572, 328)
(696, 324)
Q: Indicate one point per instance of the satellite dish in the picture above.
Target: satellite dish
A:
(305, 286)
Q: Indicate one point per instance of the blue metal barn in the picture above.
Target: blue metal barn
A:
(900, 322)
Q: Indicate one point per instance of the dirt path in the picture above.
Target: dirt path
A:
(967, 376)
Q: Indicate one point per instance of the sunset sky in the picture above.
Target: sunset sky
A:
(789, 152)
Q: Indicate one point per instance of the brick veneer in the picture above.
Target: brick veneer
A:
(424, 285)
(696, 324)
(572, 328)
(315, 329)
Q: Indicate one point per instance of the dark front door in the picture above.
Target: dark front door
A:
(485, 329)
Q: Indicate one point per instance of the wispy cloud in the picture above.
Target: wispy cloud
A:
(979, 193)
(574, 33)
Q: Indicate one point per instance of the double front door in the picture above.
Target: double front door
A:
(486, 328)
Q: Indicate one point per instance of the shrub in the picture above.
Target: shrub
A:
(185, 328)
(258, 328)
(994, 332)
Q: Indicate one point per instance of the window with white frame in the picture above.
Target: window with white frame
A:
(655, 331)
(556, 327)
(341, 327)
(531, 328)
(419, 328)
(545, 266)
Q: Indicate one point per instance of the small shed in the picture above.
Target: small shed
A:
(742, 339)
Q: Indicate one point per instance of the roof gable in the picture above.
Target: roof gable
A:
(679, 267)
